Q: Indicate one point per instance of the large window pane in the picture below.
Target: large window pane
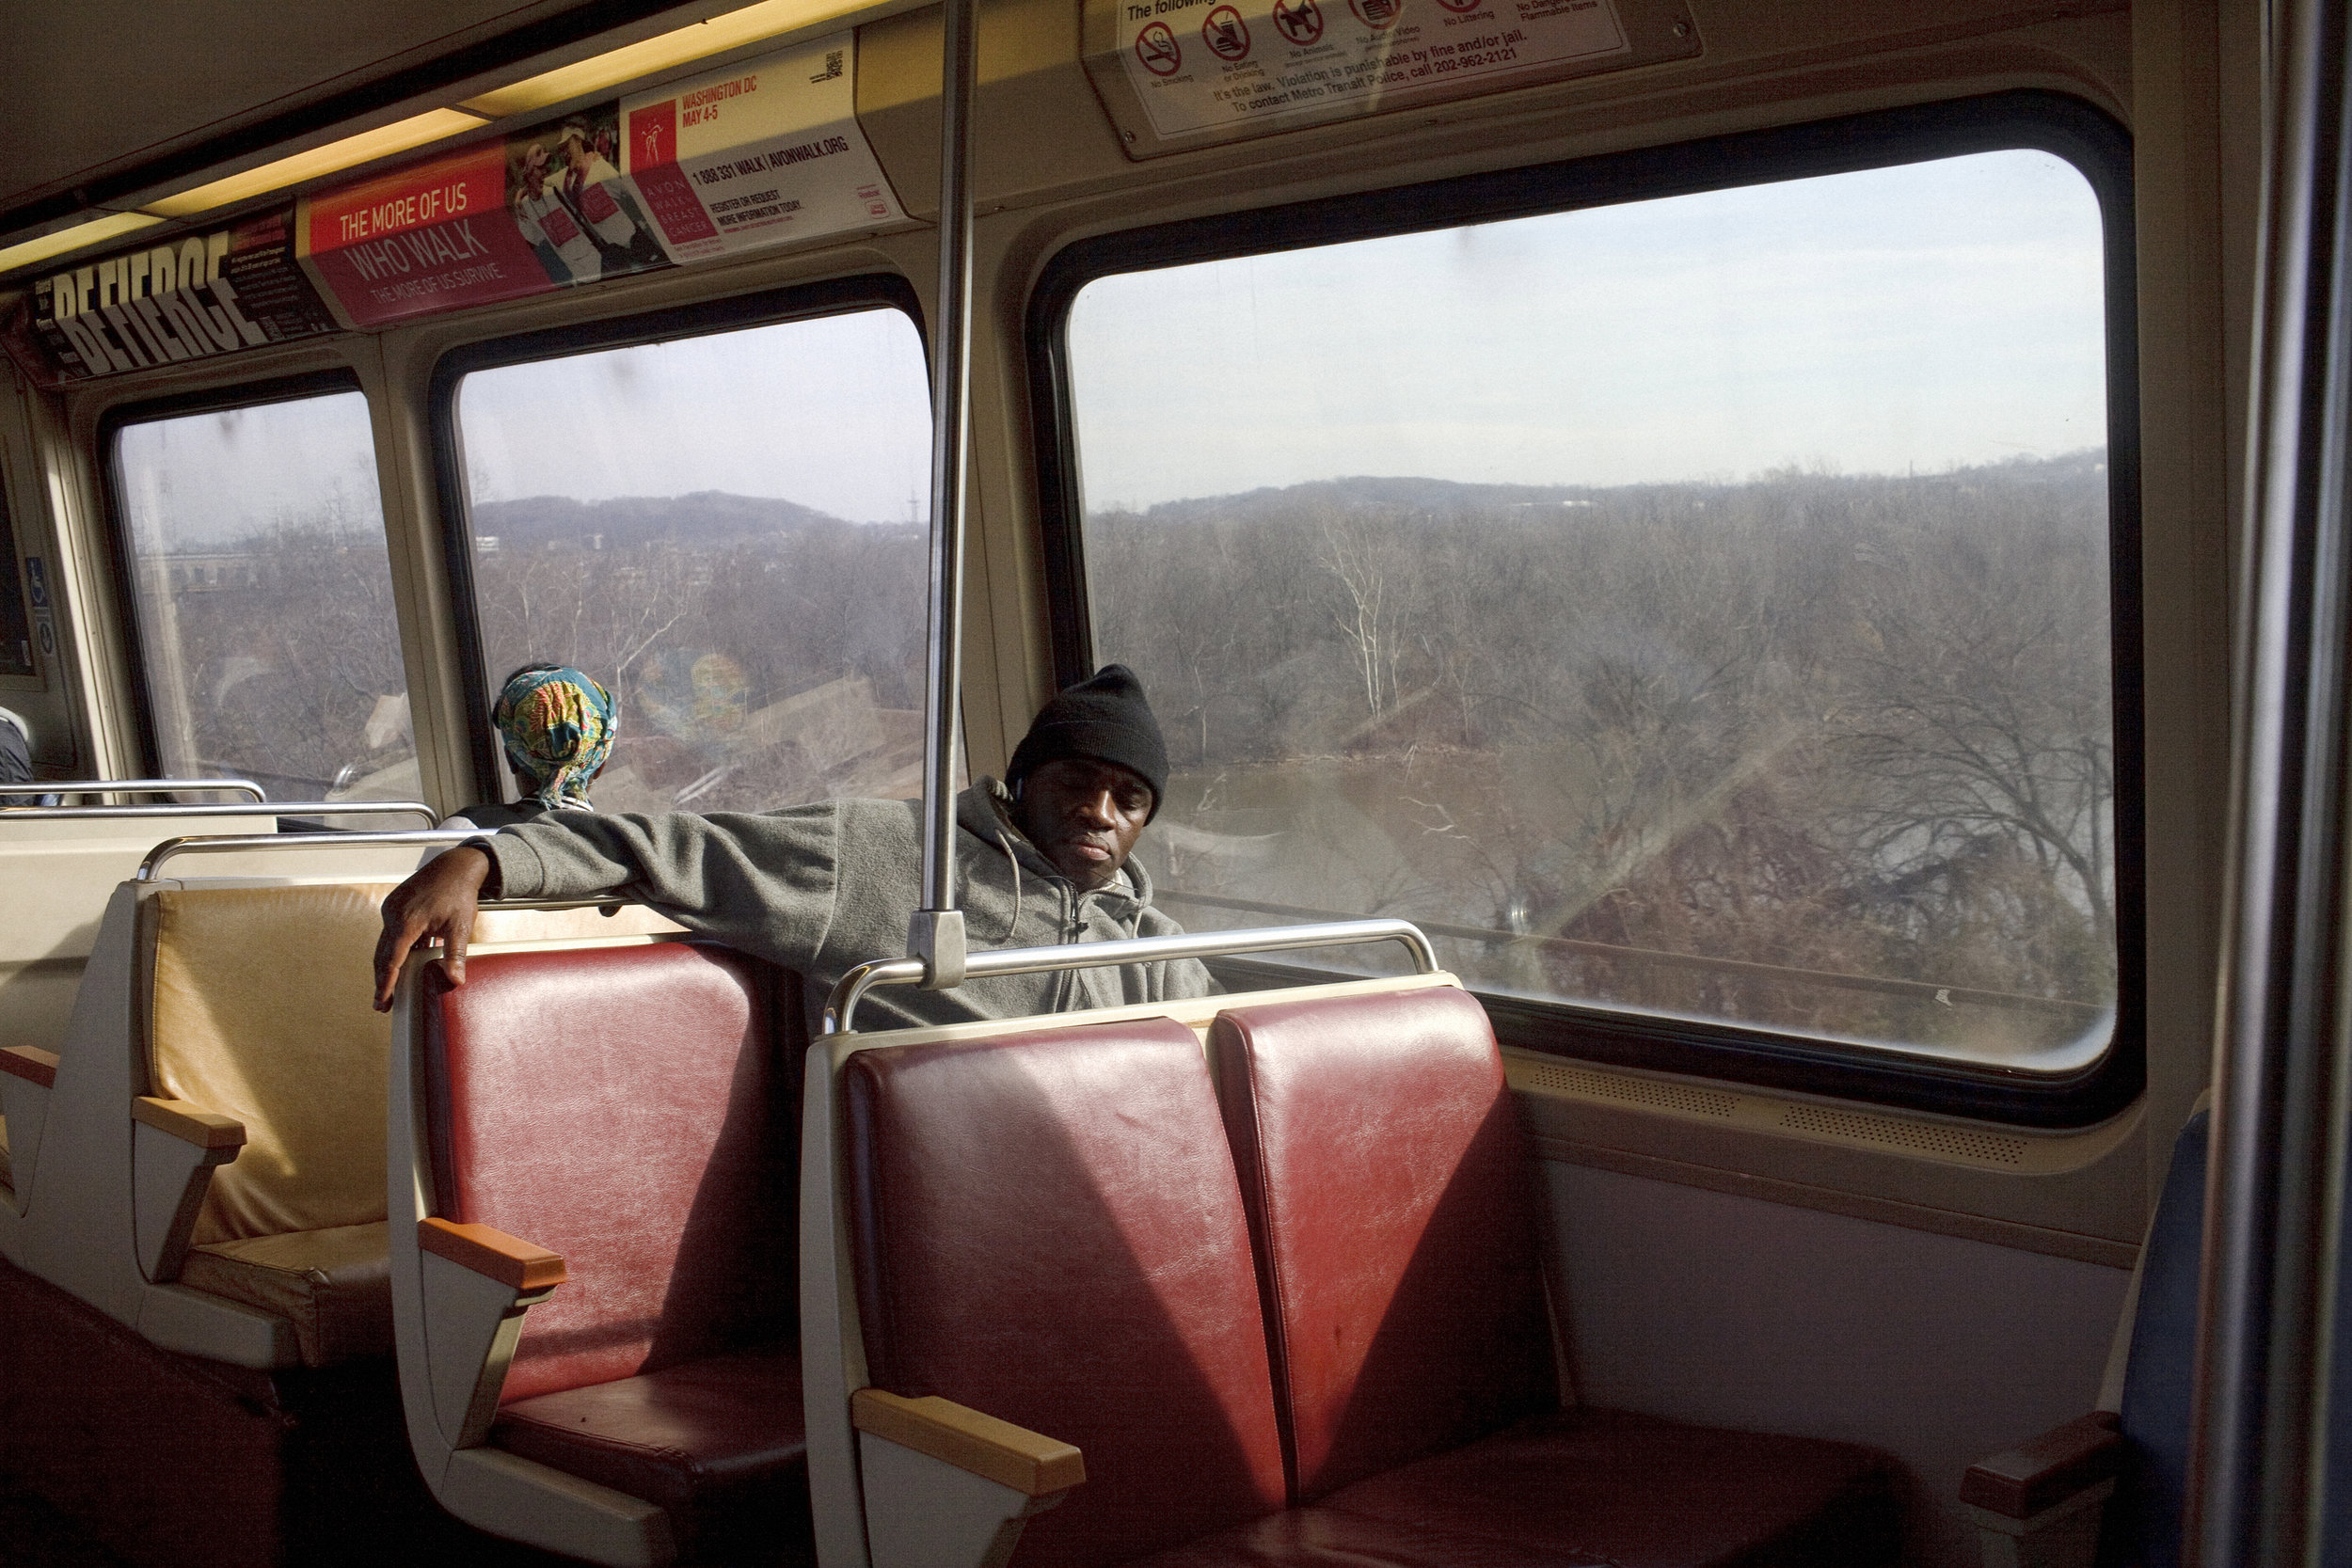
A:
(729, 533)
(265, 598)
(1695, 607)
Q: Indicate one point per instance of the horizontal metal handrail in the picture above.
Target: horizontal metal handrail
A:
(841, 1007)
(1883, 984)
(136, 786)
(256, 808)
(223, 844)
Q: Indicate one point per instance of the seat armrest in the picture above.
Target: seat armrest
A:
(478, 1282)
(174, 1147)
(1032, 1464)
(2035, 1476)
(493, 1254)
(31, 1063)
(190, 1123)
(947, 1487)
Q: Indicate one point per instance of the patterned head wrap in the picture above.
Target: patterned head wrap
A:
(558, 726)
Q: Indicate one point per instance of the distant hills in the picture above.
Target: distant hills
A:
(709, 518)
(704, 518)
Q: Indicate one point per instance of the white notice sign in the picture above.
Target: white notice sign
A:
(1199, 64)
(757, 153)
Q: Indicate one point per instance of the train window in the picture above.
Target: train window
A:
(261, 591)
(729, 531)
(1694, 611)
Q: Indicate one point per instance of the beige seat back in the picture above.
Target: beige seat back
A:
(257, 1006)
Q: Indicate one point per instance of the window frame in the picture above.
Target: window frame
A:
(703, 318)
(210, 400)
(2100, 149)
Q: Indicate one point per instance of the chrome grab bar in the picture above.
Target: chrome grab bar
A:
(841, 1007)
(135, 786)
(223, 844)
(258, 808)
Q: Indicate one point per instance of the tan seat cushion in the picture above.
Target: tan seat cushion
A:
(7, 1168)
(334, 1286)
(260, 1009)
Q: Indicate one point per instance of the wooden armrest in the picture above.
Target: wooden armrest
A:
(190, 1124)
(958, 1434)
(492, 1254)
(30, 1063)
(2029, 1479)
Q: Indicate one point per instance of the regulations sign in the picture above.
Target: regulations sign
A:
(758, 154)
(1179, 72)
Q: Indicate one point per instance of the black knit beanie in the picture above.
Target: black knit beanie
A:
(1107, 719)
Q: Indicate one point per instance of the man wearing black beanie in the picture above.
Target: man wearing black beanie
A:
(1089, 775)
(1042, 861)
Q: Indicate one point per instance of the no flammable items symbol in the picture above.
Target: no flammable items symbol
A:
(1226, 34)
(1155, 46)
(1300, 20)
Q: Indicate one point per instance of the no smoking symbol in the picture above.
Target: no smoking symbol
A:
(1155, 46)
(1299, 20)
(1226, 34)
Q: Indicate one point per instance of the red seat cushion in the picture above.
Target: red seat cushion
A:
(1589, 1488)
(1635, 1492)
(1381, 1167)
(623, 1107)
(1046, 1228)
(718, 1442)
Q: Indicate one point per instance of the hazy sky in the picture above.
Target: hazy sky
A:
(1940, 314)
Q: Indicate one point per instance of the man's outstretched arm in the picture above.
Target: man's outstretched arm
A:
(434, 904)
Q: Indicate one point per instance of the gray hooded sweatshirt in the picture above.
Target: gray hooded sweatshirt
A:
(821, 889)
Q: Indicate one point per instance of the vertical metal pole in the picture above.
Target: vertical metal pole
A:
(2256, 1473)
(936, 934)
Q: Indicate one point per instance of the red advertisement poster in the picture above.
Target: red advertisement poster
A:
(433, 237)
(548, 208)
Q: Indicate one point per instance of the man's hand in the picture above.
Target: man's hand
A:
(434, 904)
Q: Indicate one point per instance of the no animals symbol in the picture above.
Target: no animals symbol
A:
(1155, 46)
(1226, 34)
(1298, 20)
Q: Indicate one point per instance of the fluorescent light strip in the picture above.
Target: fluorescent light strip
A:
(666, 51)
(632, 62)
(92, 231)
(385, 140)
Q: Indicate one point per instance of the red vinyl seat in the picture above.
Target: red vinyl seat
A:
(1044, 1227)
(627, 1109)
(1390, 1199)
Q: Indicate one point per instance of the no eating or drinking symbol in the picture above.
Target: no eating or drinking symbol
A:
(1226, 34)
(1155, 46)
(1299, 20)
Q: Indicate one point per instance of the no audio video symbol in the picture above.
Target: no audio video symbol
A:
(1299, 20)
(1226, 34)
(1155, 46)
(1378, 15)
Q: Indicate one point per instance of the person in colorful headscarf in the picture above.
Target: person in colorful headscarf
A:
(556, 725)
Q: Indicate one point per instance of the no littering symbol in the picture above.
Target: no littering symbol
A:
(1226, 34)
(1298, 20)
(1155, 46)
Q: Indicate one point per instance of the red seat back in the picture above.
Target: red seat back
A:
(1045, 1228)
(1380, 1166)
(626, 1107)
